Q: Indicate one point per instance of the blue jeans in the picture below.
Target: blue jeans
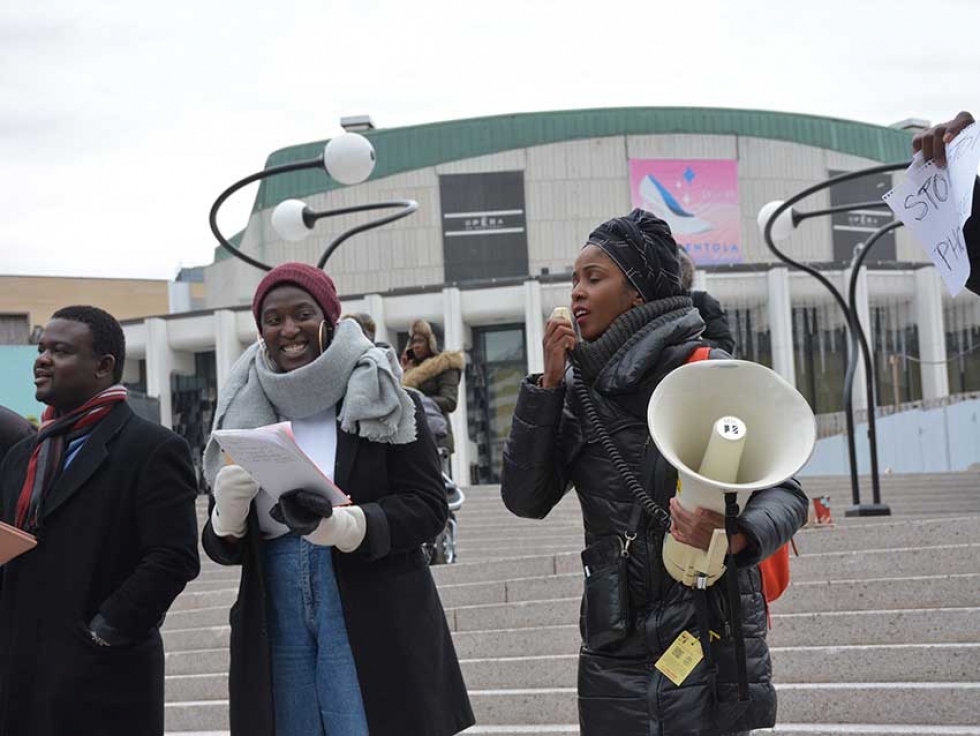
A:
(314, 679)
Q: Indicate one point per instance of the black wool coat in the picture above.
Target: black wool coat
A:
(407, 668)
(552, 448)
(118, 537)
(971, 234)
(13, 428)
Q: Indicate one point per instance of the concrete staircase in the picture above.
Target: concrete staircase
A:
(879, 633)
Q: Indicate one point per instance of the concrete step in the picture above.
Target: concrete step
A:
(878, 663)
(788, 729)
(894, 663)
(197, 662)
(198, 617)
(947, 703)
(882, 663)
(883, 562)
(911, 626)
(479, 606)
(192, 599)
(196, 688)
(847, 595)
(941, 703)
(939, 591)
(890, 535)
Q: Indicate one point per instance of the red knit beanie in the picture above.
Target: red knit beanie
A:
(311, 280)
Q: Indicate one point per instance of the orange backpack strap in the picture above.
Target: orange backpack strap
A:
(702, 353)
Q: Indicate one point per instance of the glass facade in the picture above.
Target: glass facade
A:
(895, 343)
(749, 323)
(962, 317)
(820, 346)
(494, 375)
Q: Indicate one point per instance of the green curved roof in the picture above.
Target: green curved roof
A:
(419, 146)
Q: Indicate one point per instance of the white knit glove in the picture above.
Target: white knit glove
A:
(345, 529)
(234, 490)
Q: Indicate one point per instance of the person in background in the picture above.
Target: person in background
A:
(338, 629)
(717, 333)
(432, 372)
(13, 429)
(932, 144)
(365, 321)
(111, 500)
(637, 324)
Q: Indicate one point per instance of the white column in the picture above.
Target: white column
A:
(454, 338)
(861, 306)
(375, 306)
(932, 333)
(781, 324)
(161, 362)
(227, 347)
(700, 281)
(534, 326)
(158, 363)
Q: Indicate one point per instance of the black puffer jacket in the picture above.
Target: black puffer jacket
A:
(551, 449)
(717, 333)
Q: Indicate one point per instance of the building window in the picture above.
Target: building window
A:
(484, 233)
(962, 319)
(14, 329)
(749, 324)
(895, 337)
(194, 399)
(493, 379)
(820, 343)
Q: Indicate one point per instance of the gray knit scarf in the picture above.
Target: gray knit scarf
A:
(625, 331)
(366, 378)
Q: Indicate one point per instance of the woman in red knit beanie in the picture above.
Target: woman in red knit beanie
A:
(317, 646)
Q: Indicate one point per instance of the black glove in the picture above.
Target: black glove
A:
(105, 634)
(301, 511)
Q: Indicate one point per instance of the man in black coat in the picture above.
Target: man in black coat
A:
(932, 143)
(13, 428)
(111, 500)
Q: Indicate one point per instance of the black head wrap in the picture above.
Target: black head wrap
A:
(644, 249)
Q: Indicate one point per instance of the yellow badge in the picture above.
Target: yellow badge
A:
(680, 658)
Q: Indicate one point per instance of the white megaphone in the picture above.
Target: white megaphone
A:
(727, 426)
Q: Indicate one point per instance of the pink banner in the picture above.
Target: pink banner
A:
(698, 198)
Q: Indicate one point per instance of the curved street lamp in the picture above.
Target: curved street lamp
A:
(348, 159)
(777, 221)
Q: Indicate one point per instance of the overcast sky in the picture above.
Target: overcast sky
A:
(121, 121)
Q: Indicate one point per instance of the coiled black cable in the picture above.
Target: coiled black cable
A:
(656, 512)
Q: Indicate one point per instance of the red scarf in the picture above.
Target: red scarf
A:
(47, 460)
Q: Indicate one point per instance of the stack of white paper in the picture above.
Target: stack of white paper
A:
(271, 456)
(934, 203)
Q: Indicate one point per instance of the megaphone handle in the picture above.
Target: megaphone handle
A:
(734, 599)
(704, 629)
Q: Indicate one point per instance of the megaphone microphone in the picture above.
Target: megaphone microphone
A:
(728, 427)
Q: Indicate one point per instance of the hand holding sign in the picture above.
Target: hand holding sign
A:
(934, 201)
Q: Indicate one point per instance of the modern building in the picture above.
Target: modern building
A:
(506, 202)
(27, 303)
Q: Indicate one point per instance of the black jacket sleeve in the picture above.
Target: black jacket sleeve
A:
(971, 233)
(771, 518)
(167, 526)
(415, 509)
(533, 479)
(218, 549)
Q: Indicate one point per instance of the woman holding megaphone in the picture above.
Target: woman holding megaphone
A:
(583, 423)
